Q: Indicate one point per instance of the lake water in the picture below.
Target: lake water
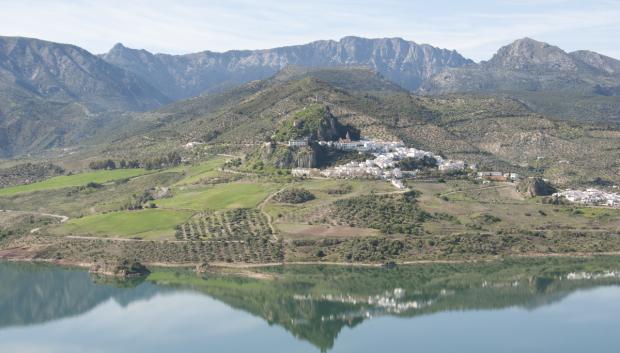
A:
(516, 306)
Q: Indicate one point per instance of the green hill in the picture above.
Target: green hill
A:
(493, 132)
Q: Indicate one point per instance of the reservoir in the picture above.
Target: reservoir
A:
(527, 305)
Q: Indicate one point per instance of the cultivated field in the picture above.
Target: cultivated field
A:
(196, 173)
(203, 215)
(144, 224)
(64, 181)
(217, 197)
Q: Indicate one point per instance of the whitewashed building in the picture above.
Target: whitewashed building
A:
(452, 165)
(298, 143)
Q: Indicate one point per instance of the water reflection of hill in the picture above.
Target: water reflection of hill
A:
(34, 293)
(313, 303)
(316, 303)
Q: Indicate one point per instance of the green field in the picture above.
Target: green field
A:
(64, 181)
(222, 196)
(195, 173)
(146, 224)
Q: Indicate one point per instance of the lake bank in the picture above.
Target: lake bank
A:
(29, 255)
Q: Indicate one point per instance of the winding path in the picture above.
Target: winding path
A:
(261, 207)
(62, 218)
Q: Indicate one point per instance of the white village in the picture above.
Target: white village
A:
(387, 155)
(385, 164)
(590, 197)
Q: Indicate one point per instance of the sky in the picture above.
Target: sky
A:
(475, 28)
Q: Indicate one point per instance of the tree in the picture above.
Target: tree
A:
(102, 164)
(413, 163)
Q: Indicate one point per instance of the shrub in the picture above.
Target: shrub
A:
(294, 196)
(391, 214)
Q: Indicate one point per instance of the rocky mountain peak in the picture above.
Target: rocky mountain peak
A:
(598, 61)
(530, 54)
(118, 46)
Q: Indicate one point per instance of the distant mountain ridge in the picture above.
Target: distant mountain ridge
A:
(66, 73)
(406, 63)
(55, 94)
(530, 65)
(581, 85)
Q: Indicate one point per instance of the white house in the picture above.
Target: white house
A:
(451, 165)
(298, 143)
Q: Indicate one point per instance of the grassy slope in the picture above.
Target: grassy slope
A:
(76, 201)
(147, 224)
(468, 203)
(64, 181)
(232, 195)
(195, 173)
(293, 220)
(465, 207)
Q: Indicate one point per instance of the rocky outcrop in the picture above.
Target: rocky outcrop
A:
(330, 129)
(285, 157)
(202, 268)
(121, 268)
(315, 123)
(533, 187)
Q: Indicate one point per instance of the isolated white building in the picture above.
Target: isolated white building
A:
(451, 165)
(298, 143)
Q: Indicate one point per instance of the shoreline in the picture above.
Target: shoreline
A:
(240, 266)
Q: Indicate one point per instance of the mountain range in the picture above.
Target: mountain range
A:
(180, 76)
(55, 94)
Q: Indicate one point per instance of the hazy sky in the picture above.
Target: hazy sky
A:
(476, 28)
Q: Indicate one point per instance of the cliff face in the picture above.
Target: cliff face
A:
(316, 123)
(296, 157)
(330, 129)
(179, 76)
(536, 187)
